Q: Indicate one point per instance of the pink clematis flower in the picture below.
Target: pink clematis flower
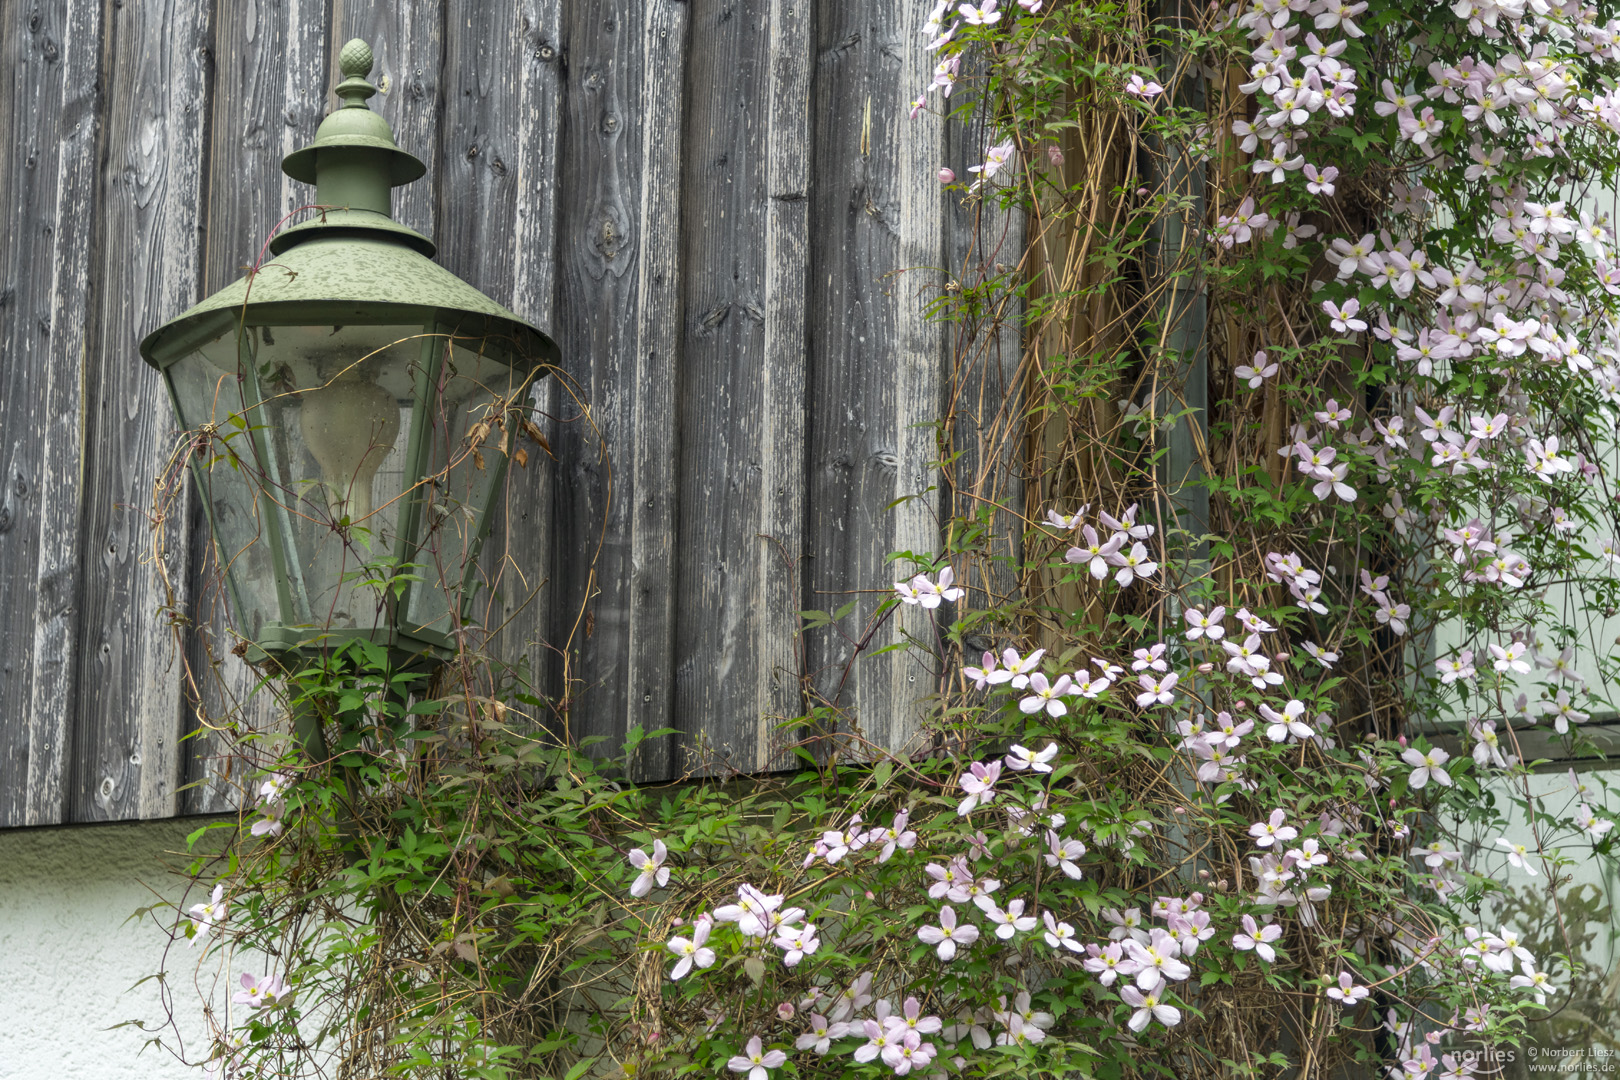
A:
(1347, 993)
(271, 823)
(1009, 921)
(1133, 564)
(1208, 626)
(1095, 552)
(1136, 87)
(1427, 765)
(693, 952)
(1064, 855)
(1288, 724)
(652, 870)
(979, 782)
(895, 838)
(984, 14)
(1157, 691)
(1259, 371)
(1046, 695)
(260, 993)
(928, 594)
(206, 916)
(1060, 935)
(1148, 1007)
(908, 1052)
(1109, 962)
(1258, 938)
(1532, 980)
(1272, 830)
(755, 1061)
(996, 158)
(1518, 855)
(796, 942)
(1019, 758)
(821, 1034)
(1343, 319)
(1321, 183)
(1158, 960)
(948, 935)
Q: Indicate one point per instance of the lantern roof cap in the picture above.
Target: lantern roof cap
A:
(355, 125)
(352, 262)
(346, 279)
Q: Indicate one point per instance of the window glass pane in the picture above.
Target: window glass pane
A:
(1577, 1034)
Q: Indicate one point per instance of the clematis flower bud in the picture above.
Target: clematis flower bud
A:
(946, 176)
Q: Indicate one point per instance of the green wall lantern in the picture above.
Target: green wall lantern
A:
(354, 407)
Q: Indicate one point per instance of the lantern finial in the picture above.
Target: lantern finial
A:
(353, 163)
(355, 62)
(356, 59)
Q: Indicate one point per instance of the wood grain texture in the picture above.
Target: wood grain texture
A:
(784, 508)
(131, 705)
(740, 534)
(269, 95)
(877, 379)
(984, 412)
(496, 184)
(920, 381)
(50, 197)
(719, 210)
(618, 322)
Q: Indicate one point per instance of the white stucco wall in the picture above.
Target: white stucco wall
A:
(68, 957)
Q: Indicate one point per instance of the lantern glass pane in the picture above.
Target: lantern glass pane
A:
(470, 433)
(338, 405)
(212, 406)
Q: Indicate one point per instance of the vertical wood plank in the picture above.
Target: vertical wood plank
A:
(131, 706)
(49, 193)
(741, 521)
(270, 82)
(618, 322)
(920, 383)
(984, 410)
(18, 546)
(496, 190)
(271, 87)
(784, 514)
(876, 380)
(520, 547)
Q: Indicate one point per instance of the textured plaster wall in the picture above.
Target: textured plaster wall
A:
(68, 956)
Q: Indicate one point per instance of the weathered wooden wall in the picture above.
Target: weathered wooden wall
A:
(718, 207)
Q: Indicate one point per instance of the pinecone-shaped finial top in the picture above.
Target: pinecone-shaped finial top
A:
(356, 59)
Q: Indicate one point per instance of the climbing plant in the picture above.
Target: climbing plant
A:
(1286, 525)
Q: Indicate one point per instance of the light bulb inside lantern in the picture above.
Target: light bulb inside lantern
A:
(349, 426)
